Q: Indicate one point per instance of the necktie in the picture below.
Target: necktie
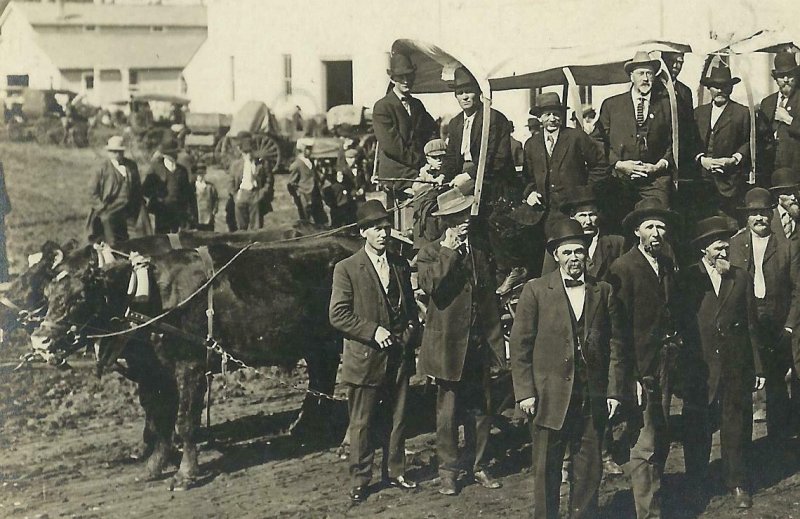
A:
(573, 283)
(383, 272)
(759, 286)
(406, 104)
(551, 142)
(392, 290)
(465, 139)
(782, 100)
(786, 220)
(640, 111)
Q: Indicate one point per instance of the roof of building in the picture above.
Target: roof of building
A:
(38, 13)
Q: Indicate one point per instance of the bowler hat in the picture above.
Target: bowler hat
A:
(785, 63)
(169, 147)
(719, 77)
(757, 199)
(579, 196)
(400, 64)
(115, 143)
(534, 122)
(454, 200)
(370, 213)
(566, 229)
(642, 60)
(784, 179)
(463, 78)
(548, 101)
(649, 209)
(435, 147)
(711, 229)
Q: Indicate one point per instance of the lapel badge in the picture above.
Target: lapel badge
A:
(652, 116)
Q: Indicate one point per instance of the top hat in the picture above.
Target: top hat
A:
(785, 63)
(463, 78)
(784, 179)
(642, 59)
(455, 200)
(712, 229)
(370, 213)
(757, 199)
(548, 101)
(566, 229)
(400, 64)
(719, 77)
(115, 143)
(649, 209)
(577, 197)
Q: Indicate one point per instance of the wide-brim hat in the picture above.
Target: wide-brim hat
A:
(455, 200)
(115, 143)
(400, 64)
(719, 77)
(463, 78)
(370, 213)
(712, 229)
(785, 63)
(642, 59)
(784, 178)
(757, 199)
(579, 196)
(649, 209)
(565, 229)
(534, 122)
(548, 101)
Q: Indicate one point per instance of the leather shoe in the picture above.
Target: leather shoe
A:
(401, 482)
(742, 498)
(448, 485)
(359, 494)
(485, 480)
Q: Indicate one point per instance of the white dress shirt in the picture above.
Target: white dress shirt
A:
(403, 100)
(381, 266)
(593, 245)
(716, 278)
(466, 152)
(784, 214)
(248, 174)
(759, 248)
(636, 96)
(650, 259)
(576, 295)
(120, 168)
(716, 111)
(547, 136)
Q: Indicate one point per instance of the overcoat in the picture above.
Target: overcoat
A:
(731, 134)
(104, 191)
(781, 150)
(401, 137)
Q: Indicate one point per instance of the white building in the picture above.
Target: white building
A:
(105, 52)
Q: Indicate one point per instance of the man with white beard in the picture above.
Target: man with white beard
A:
(717, 320)
(785, 184)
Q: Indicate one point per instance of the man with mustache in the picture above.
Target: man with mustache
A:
(718, 322)
(775, 267)
(778, 128)
(785, 218)
(643, 280)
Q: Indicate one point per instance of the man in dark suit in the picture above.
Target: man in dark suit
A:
(636, 130)
(786, 216)
(774, 265)
(117, 212)
(251, 183)
(569, 370)
(724, 128)
(169, 195)
(643, 280)
(777, 128)
(462, 338)
(717, 323)
(402, 124)
(373, 305)
(687, 131)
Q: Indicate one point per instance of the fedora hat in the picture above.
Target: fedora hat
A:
(370, 213)
(719, 77)
(578, 197)
(400, 64)
(455, 200)
(565, 229)
(647, 209)
(534, 122)
(642, 59)
(757, 199)
(711, 229)
(463, 78)
(784, 179)
(545, 102)
(785, 63)
(115, 143)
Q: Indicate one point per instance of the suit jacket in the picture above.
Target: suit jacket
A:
(647, 302)
(401, 137)
(609, 248)
(576, 161)
(105, 192)
(781, 269)
(358, 306)
(456, 283)
(263, 180)
(730, 135)
(543, 352)
(517, 153)
(783, 150)
(720, 331)
(303, 178)
(777, 229)
(168, 194)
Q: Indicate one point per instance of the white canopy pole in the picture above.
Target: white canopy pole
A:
(673, 112)
(574, 98)
(487, 114)
(751, 178)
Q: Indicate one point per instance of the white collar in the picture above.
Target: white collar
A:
(781, 211)
(759, 239)
(374, 258)
(470, 117)
(710, 269)
(653, 261)
(636, 95)
(565, 276)
(553, 133)
(400, 96)
(715, 107)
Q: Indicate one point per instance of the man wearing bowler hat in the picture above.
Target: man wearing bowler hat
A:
(643, 280)
(373, 305)
(786, 217)
(774, 265)
(724, 127)
(778, 128)
(462, 339)
(252, 184)
(402, 124)
(169, 195)
(569, 370)
(717, 322)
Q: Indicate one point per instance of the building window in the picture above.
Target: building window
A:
(157, 28)
(88, 82)
(133, 77)
(287, 74)
(89, 28)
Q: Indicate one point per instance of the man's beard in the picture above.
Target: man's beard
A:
(723, 266)
(654, 251)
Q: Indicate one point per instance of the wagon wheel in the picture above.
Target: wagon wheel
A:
(226, 152)
(268, 148)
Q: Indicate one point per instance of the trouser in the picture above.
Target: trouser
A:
(312, 208)
(581, 435)
(248, 217)
(377, 418)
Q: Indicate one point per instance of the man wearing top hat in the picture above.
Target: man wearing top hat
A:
(786, 217)
(724, 128)
(774, 265)
(636, 130)
(117, 212)
(643, 280)
(778, 129)
(717, 322)
(462, 339)
(373, 305)
(251, 183)
(402, 124)
(169, 195)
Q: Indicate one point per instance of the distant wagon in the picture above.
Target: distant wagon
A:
(49, 117)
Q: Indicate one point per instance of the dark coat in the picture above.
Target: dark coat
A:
(543, 352)
(303, 178)
(576, 161)
(401, 137)
(359, 305)
(730, 135)
(169, 195)
(455, 283)
(783, 151)
(781, 275)
(263, 179)
(104, 194)
(609, 248)
(720, 330)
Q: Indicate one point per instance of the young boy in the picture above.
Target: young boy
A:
(426, 227)
(207, 199)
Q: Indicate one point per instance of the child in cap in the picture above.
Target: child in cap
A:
(426, 227)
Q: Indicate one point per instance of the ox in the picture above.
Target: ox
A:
(271, 309)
